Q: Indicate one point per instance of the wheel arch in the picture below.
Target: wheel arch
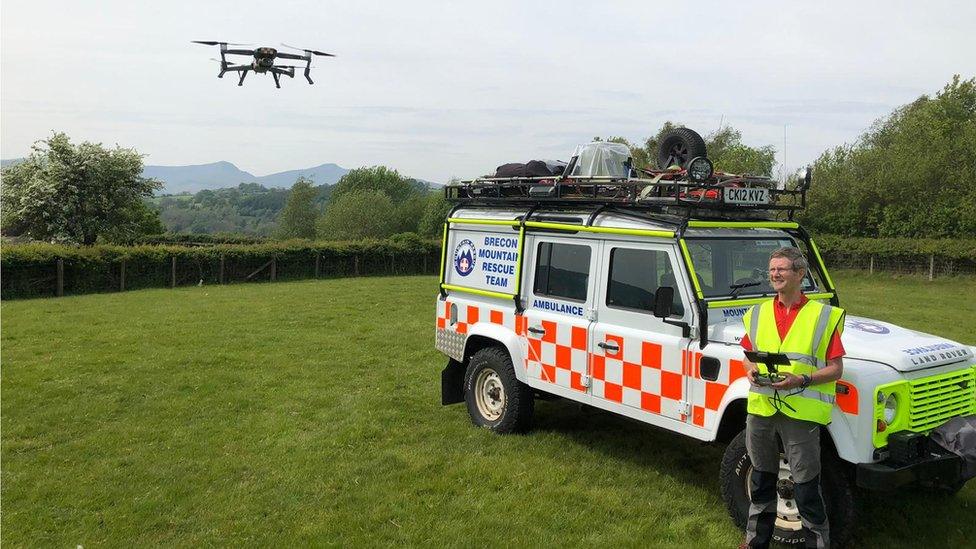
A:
(483, 335)
(732, 411)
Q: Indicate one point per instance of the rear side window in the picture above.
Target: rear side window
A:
(635, 275)
(562, 270)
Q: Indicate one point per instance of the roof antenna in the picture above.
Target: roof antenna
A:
(785, 168)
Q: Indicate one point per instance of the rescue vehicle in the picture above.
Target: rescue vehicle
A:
(624, 289)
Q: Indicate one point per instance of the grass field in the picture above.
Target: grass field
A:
(308, 413)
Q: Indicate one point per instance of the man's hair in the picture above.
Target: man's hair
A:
(793, 254)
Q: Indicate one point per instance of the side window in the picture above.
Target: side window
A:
(562, 270)
(635, 275)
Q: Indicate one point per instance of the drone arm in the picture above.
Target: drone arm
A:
(308, 69)
(237, 52)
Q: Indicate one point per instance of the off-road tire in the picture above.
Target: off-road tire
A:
(679, 146)
(835, 483)
(492, 366)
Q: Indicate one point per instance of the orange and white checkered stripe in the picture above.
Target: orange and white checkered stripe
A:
(468, 315)
(706, 396)
(559, 356)
(641, 374)
(638, 374)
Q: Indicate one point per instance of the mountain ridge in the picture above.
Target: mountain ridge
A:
(191, 178)
(222, 174)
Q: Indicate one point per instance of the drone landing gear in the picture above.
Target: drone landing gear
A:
(276, 79)
(243, 74)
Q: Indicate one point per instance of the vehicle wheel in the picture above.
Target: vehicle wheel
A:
(678, 146)
(496, 399)
(835, 484)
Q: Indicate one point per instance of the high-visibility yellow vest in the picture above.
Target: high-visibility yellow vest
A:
(806, 346)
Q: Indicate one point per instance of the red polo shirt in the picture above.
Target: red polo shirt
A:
(784, 319)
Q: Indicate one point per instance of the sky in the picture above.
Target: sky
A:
(450, 89)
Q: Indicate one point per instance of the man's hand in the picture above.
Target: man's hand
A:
(751, 372)
(788, 382)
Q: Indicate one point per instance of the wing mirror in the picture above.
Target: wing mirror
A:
(663, 301)
(664, 307)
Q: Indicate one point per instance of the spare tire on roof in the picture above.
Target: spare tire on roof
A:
(678, 147)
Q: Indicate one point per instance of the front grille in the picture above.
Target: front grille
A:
(936, 399)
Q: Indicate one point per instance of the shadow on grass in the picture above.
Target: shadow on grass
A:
(903, 518)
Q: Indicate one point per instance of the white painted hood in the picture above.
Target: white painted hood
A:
(864, 338)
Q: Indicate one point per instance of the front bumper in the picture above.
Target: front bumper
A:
(930, 465)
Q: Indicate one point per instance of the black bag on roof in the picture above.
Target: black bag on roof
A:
(532, 168)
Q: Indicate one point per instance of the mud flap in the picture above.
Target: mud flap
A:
(452, 383)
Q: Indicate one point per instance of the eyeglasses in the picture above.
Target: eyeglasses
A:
(780, 270)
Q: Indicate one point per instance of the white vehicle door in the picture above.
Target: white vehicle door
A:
(559, 293)
(639, 363)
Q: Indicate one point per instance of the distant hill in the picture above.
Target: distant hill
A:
(223, 174)
(178, 179)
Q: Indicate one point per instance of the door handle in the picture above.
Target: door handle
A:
(613, 347)
(535, 330)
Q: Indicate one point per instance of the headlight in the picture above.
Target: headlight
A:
(890, 408)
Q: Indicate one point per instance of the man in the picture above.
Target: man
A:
(795, 406)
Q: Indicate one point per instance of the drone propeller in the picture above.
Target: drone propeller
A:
(212, 43)
(314, 52)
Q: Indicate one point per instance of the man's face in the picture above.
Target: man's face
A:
(782, 277)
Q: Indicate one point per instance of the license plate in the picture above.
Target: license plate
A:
(739, 195)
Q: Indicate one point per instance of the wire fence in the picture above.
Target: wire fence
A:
(933, 266)
(74, 275)
(61, 276)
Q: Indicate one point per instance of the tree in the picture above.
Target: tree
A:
(354, 215)
(725, 150)
(912, 174)
(380, 178)
(76, 193)
(406, 199)
(297, 219)
(435, 212)
(729, 154)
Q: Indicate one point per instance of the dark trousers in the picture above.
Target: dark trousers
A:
(801, 444)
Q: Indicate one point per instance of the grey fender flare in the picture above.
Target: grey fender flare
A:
(502, 335)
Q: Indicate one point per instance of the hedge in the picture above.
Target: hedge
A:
(889, 248)
(30, 270)
(190, 239)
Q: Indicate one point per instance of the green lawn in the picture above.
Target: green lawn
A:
(308, 413)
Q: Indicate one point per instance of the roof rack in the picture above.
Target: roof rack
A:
(721, 196)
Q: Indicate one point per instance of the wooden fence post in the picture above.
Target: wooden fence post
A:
(274, 268)
(59, 288)
(318, 260)
(222, 261)
(122, 277)
(424, 271)
(356, 265)
(872, 265)
(172, 272)
(393, 264)
(931, 266)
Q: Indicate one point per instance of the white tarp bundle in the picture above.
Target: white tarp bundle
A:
(600, 158)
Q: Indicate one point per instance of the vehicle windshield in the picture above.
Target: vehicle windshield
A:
(735, 267)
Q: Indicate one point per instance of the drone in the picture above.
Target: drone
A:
(264, 61)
